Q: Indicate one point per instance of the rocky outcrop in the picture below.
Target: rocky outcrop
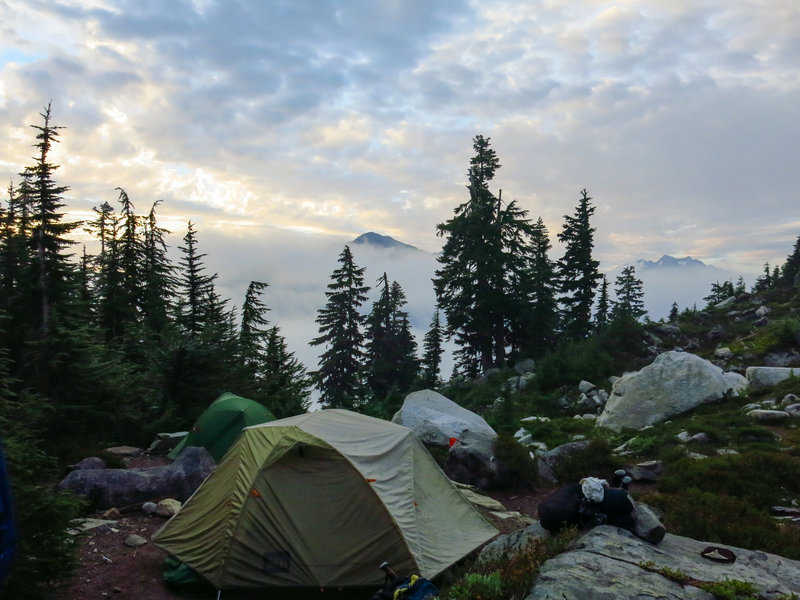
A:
(104, 488)
(608, 562)
(440, 422)
(674, 383)
(764, 377)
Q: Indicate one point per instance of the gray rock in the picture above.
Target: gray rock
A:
(525, 366)
(513, 543)
(547, 463)
(585, 387)
(437, 420)
(134, 541)
(793, 410)
(726, 451)
(149, 508)
(168, 507)
(123, 487)
(724, 353)
(668, 329)
(782, 359)
(761, 322)
(92, 462)
(768, 416)
(730, 301)
(764, 377)
(164, 442)
(96, 525)
(762, 311)
(647, 525)
(124, 451)
(789, 399)
(674, 383)
(604, 564)
(646, 472)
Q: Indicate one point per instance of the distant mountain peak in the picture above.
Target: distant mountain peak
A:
(670, 262)
(381, 241)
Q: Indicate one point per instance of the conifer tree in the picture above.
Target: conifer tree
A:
(482, 262)
(673, 313)
(577, 271)
(49, 231)
(158, 279)
(763, 282)
(432, 353)
(629, 303)
(340, 326)
(200, 306)
(534, 334)
(790, 273)
(404, 348)
(286, 382)
(253, 329)
(601, 313)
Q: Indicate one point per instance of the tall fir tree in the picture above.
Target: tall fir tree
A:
(340, 326)
(577, 271)
(482, 261)
(535, 334)
(674, 313)
(790, 274)
(432, 346)
(49, 241)
(158, 277)
(253, 328)
(602, 312)
(629, 302)
(200, 306)
(287, 384)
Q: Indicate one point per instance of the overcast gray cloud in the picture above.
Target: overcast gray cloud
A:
(285, 128)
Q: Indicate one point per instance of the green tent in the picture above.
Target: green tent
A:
(321, 500)
(220, 424)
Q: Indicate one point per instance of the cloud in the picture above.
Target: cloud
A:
(265, 119)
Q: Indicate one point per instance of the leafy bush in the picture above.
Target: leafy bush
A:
(477, 586)
(556, 432)
(757, 478)
(725, 520)
(730, 589)
(515, 459)
(515, 573)
(596, 460)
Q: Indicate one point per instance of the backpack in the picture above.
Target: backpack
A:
(413, 587)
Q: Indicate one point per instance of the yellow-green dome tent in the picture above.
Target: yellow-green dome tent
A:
(220, 424)
(321, 500)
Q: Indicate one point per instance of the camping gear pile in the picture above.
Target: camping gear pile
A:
(587, 504)
(316, 500)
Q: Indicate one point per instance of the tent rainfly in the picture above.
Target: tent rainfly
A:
(220, 424)
(321, 500)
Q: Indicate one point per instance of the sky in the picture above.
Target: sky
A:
(283, 129)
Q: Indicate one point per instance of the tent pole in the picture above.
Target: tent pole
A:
(219, 593)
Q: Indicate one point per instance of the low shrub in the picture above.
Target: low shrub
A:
(725, 520)
(520, 469)
(515, 573)
(596, 460)
(730, 589)
(759, 479)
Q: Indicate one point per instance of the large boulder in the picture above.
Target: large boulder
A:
(104, 488)
(764, 377)
(672, 384)
(442, 423)
(610, 562)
